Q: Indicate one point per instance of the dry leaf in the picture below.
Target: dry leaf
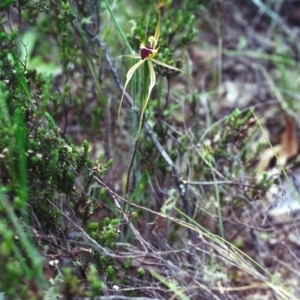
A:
(285, 151)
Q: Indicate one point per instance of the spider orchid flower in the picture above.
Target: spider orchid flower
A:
(147, 55)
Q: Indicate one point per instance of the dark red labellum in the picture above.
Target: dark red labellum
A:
(145, 52)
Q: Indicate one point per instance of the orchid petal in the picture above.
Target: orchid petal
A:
(152, 78)
(128, 77)
(170, 67)
(151, 86)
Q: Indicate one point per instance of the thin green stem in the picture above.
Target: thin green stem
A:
(135, 122)
(119, 29)
(142, 120)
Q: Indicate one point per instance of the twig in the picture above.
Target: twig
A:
(136, 233)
